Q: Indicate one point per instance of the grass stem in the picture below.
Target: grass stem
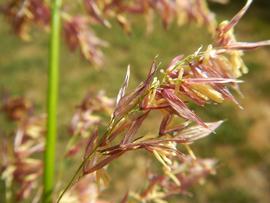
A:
(52, 100)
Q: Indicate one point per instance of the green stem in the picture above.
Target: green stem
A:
(49, 158)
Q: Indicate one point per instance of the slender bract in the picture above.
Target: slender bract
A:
(52, 96)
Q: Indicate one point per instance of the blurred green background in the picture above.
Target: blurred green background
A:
(241, 145)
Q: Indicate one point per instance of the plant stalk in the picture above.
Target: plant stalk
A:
(52, 100)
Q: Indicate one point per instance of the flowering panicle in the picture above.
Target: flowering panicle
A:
(87, 116)
(203, 77)
(225, 39)
(85, 191)
(78, 35)
(21, 167)
(190, 172)
(22, 13)
(182, 11)
(16, 108)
